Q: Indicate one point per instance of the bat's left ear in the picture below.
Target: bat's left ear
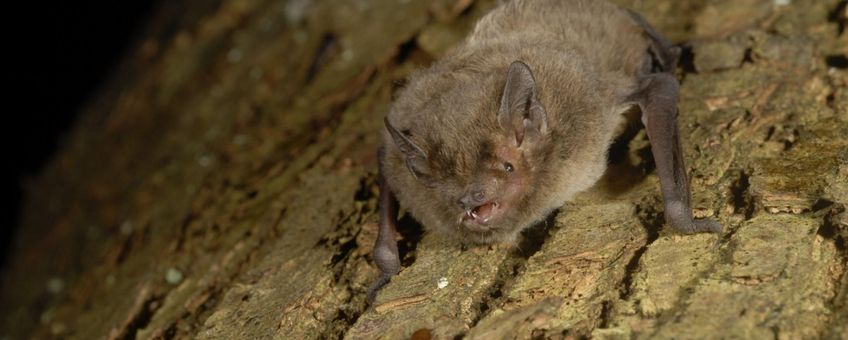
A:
(521, 113)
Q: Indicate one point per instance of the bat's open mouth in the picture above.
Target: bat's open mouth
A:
(482, 213)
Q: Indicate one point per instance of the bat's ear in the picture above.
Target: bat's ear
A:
(416, 159)
(521, 113)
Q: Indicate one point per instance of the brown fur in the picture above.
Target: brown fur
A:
(585, 56)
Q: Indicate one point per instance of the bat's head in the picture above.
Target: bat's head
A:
(474, 170)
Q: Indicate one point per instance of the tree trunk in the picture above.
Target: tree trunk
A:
(223, 185)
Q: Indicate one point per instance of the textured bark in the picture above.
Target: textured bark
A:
(223, 185)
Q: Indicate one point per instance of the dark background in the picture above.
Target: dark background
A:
(59, 53)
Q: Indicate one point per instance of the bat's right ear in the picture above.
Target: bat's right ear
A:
(416, 159)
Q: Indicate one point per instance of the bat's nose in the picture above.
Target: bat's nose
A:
(472, 199)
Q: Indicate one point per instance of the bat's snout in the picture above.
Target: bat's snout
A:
(472, 199)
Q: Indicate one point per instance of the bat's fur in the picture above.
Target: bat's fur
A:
(585, 56)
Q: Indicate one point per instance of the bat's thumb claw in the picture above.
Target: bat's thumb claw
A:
(375, 287)
(707, 226)
(690, 226)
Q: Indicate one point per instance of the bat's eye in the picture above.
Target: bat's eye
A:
(508, 167)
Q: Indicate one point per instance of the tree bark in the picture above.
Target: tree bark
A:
(223, 185)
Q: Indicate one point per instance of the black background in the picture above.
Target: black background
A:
(58, 53)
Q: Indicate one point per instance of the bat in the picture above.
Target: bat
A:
(519, 118)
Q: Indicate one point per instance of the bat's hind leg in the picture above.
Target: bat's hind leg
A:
(664, 55)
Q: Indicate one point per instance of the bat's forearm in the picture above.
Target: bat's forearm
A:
(385, 248)
(658, 101)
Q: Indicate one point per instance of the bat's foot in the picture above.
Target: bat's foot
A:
(377, 285)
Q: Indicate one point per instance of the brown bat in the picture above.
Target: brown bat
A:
(519, 117)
